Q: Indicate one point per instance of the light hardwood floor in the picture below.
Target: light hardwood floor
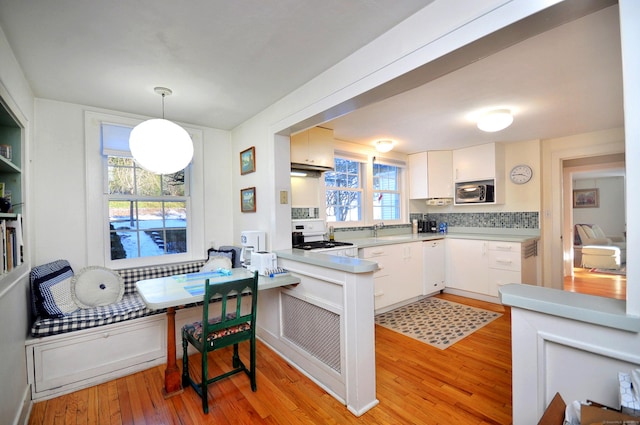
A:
(601, 284)
(468, 383)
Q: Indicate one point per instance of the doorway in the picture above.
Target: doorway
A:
(604, 177)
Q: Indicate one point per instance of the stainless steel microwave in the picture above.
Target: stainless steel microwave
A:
(474, 193)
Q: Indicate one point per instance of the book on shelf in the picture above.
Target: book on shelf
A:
(12, 243)
(5, 150)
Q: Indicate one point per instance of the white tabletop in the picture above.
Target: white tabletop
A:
(172, 291)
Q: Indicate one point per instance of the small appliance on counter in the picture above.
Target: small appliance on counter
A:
(266, 264)
(252, 241)
(427, 226)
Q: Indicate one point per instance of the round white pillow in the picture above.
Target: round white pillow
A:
(95, 286)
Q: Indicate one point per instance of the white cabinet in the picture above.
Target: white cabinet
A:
(482, 267)
(434, 266)
(467, 265)
(430, 175)
(399, 275)
(481, 162)
(313, 148)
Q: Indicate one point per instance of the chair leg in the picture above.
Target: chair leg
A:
(252, 364)
(236, 357)
(185, 363)
(203, 385)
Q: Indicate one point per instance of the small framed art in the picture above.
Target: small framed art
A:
(248, 160)
(586, 198)
(248, 199)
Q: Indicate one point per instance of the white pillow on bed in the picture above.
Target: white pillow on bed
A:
(95, 286)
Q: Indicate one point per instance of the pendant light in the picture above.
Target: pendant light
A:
(159, 145)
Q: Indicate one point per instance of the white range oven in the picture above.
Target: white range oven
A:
(313, 234)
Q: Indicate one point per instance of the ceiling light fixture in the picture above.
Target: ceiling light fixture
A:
(160, 145)
(384, 145)
(495, 120)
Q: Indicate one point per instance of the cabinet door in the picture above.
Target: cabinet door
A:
(313, 147)
(467, 265)
(481, 162)
(498, 277)
(434, 266)
(418, 176)
(440, 174)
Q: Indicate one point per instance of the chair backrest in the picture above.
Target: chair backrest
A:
(230, 296)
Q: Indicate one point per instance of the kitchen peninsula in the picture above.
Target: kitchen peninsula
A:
(324, 325)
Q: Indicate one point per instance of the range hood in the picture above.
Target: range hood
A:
(309, 167)
(299, 172)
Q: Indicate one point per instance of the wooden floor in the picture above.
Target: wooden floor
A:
(468, 383)
(603, 285)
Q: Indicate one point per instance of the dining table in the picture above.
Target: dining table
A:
(176, 291)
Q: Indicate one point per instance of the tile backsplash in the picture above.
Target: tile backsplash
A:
(298, 213)
(502, 220)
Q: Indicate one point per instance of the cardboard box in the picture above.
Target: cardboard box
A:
(554, 415)
(591, 415)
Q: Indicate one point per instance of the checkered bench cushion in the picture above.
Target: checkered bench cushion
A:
(130, 307)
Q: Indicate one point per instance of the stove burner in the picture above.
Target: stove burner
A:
(307, 246)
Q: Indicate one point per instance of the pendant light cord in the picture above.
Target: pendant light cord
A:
(163, 95)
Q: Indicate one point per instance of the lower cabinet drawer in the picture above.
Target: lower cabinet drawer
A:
(497, 278)
(71, 359)
(504, 260)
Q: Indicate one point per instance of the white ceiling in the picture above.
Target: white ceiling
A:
(227, 60)
(224, 60)
(562, 82)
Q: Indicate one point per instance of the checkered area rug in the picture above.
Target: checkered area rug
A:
(437, 322)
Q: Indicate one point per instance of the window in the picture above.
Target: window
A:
(344, 191)
(136, 218)
(147, 212)
(357, 192)
(386, 195)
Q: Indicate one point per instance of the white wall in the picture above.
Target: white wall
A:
(609, 215)
(14, 392)
(59, 193)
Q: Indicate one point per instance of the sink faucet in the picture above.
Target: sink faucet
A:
(376, 227)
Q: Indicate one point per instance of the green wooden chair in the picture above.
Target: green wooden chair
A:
(230, 328)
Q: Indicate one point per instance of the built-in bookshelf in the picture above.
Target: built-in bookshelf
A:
(11, 203)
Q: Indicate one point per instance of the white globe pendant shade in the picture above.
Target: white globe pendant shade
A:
(161, 146)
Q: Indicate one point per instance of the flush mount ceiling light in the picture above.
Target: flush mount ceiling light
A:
(160, 145)
(495, 120)
(384, 145)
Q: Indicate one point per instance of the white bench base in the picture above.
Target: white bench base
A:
(64, 363)
(601, 256)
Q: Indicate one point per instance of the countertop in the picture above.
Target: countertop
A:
(324, 259)
(585, 308)
(420, 237)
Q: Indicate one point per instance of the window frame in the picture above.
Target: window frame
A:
(98, 236)
(360, 189)
(366, 181)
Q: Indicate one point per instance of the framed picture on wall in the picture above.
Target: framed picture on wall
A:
(586, 198)
(248, 199)
(248, 160)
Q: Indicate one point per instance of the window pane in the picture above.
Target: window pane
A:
(386, 206)
(147, 183)
(121, 177)
(175, 214)
(344, 205)
(173, 184)
(385, 177)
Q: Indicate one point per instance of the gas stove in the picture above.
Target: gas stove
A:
(325, 245)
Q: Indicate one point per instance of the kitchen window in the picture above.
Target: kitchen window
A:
(386, 195)
(363, 192)
(344, 191)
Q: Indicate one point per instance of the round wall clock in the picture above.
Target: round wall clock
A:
(520, 174)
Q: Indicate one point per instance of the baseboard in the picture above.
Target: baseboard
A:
(25, 411)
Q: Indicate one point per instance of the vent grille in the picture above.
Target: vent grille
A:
(312, 328)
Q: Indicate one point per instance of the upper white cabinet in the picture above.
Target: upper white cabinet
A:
(481, 162)
(430, 175)
(313, 148)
